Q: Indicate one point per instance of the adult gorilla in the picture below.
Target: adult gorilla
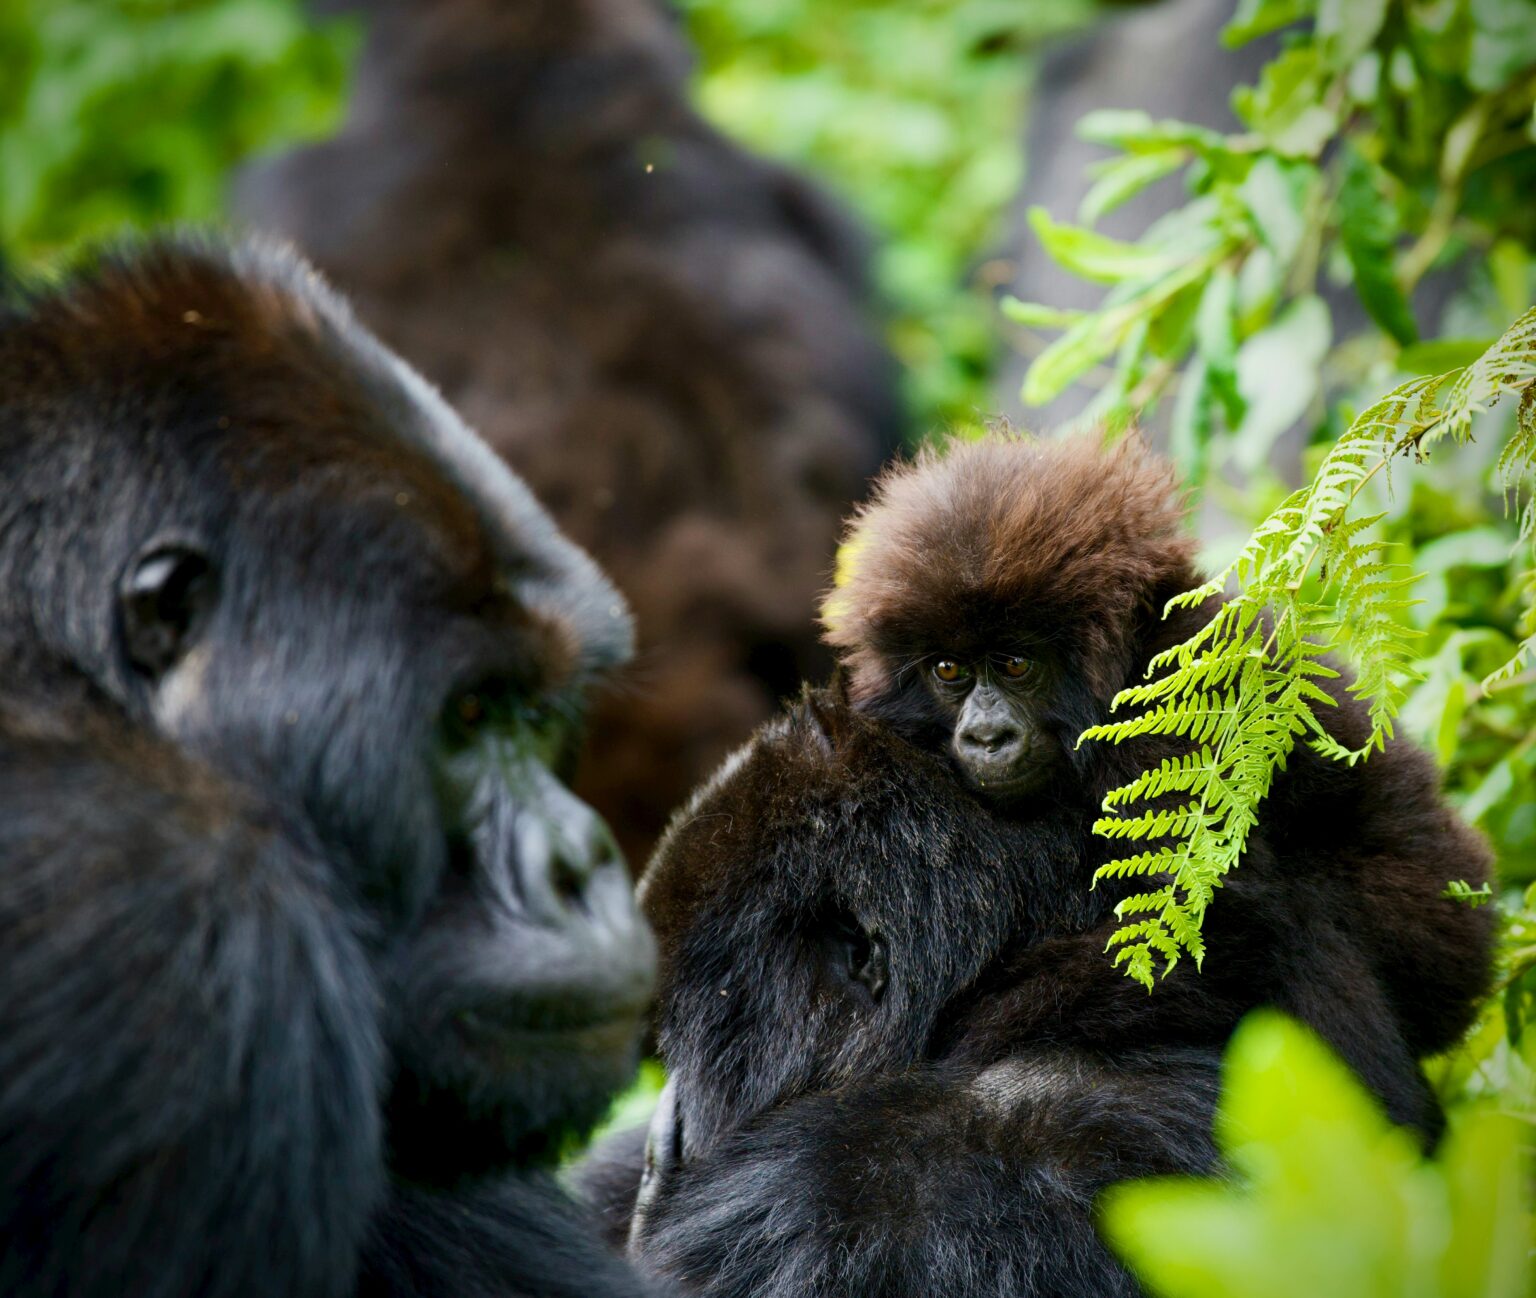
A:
(302, 939)
(901, 1061)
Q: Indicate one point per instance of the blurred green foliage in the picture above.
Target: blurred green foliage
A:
(911, 110)
(1326, 1198)
(119, 113)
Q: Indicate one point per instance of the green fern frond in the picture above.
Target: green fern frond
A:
(1244, 689)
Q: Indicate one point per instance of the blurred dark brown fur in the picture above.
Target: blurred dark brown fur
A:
(666, 336)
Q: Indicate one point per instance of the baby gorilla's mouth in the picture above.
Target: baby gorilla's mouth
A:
(1009, 778)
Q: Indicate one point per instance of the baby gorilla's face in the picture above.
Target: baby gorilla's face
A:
(991, 704)
(817, 905)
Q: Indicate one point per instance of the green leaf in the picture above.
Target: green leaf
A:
(1098, 334)
(1135, 131)
(1256, 18)
(1347, 28)
(1441, 354)
(1288, 106)
(1368, 231)
(1503, 42)
(1509, 267)
(1071, 356)
(1329, 1199)
(1216, 341)
(1096, 256)
(1037, 315)
(1274, 193)
(1488, 1251)
(1277, 375)
(1192, 422)
(1123, 178)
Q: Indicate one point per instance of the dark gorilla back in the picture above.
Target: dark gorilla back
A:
(309, 959)
(664, 334)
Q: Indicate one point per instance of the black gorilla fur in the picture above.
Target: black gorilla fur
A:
(292, 1003)
(946, 1132)
(667, 336)
(820, 1140)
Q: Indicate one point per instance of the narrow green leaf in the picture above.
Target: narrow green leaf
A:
(1255, 18)
(1036, 315)
(1124, 178)
(1216, 340)
(1096, 256)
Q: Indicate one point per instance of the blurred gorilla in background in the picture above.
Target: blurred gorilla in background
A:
(309, 957)
(666, 336)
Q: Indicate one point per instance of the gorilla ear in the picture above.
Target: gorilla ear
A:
(163, 602)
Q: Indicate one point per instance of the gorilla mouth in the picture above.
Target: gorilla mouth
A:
(1007, 780)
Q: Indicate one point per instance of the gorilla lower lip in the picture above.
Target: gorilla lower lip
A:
(1009, 780)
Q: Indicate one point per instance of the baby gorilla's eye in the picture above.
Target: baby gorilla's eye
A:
(469, 709)
(1016, 667)
(948, 670)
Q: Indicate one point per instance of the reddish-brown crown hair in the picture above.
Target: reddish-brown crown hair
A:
(1010, 540)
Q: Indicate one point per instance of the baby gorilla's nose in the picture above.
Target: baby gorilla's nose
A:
(991, 737)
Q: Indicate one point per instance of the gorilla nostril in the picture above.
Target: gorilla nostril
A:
(991, 739)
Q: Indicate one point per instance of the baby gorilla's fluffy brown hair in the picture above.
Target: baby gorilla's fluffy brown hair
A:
(971, 541)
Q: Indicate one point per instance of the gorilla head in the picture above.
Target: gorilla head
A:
(272, 597)
(996, 594)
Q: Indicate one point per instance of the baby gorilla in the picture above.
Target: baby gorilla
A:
(901, 1061)
(308, 955)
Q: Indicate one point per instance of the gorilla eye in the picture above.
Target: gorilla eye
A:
(162, 603)
(468, 712)
(1016, 667)
(469, 709)
(948, 670)
(503, 706)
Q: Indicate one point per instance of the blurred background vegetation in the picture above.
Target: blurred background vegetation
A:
(1399, 143)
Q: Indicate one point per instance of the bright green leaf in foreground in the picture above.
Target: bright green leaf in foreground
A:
(1327, 1198)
